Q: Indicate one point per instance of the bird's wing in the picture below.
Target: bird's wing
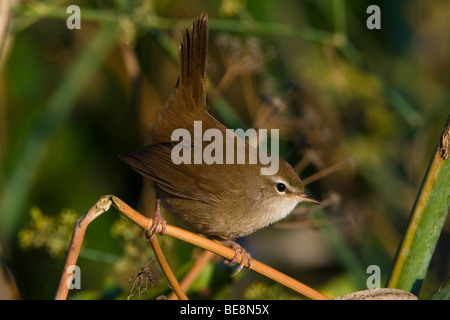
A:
(203, 182)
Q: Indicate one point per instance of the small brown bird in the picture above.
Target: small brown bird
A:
(224, 201)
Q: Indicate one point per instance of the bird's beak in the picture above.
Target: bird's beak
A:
(305, 198)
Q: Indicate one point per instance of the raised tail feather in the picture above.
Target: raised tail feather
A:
(188, 100)
(192, 53)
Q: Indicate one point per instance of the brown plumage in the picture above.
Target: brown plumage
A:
(222, 200)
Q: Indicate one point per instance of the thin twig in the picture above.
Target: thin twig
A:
(102, 205)
(145, 223)
(193, 272)
(302, 164)
(167, 270)
(327, 171)
(143, 278)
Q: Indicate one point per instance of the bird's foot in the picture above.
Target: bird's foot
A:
(157, 221)
(239, 250)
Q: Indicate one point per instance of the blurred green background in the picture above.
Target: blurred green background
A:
(369, 104)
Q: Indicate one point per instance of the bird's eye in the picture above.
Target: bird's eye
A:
(281, 187)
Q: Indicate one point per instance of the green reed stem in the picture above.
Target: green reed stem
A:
(426, 221)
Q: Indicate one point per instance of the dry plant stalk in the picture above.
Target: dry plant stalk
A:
(105, 203)
(144, 277)
(190, 277)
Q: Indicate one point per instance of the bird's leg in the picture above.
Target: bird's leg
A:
(239, 250)
(157, 220)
